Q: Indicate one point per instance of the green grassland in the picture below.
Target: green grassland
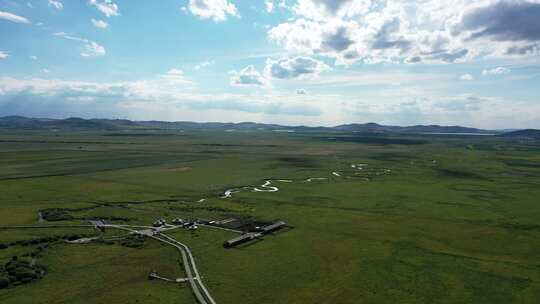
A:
(431, 219)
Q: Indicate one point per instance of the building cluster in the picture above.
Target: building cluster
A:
(247, 237)
(258, 233)
(191, 225)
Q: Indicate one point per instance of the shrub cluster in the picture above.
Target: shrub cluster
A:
(48, 239)
(19, 271)
(56, 214)
(133, 241)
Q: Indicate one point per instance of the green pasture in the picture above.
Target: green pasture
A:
(430, 219)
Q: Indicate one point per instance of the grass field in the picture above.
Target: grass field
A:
(418, 219)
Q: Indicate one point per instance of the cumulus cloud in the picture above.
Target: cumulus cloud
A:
(13, 18)
(466, 77)
(175, 77)
(496, 71)
(436, 31)
(269, 4)
(204, 64)
(248, 76)
(504, 21)
(100, 24)
(217, 10)
(56, 4)
(107, 7)
(90, 48)
(297, 67)
(3, 55)
(301, 92)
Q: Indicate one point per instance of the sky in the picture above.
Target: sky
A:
(291, 62)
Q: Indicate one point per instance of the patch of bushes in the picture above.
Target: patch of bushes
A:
(19, 271)
(62, 214)
(108, 218)
(460, 174)
(4, 282)
(49, 239)
(133, 241)
(56, 214)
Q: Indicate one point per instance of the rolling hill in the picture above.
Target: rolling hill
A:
(74, 123)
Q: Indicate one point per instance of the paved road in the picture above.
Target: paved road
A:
(185, 249)
(199, 289)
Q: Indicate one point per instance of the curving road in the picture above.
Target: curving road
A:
(189, 262)
(199, 289)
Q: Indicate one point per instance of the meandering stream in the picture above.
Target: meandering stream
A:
(268, 185)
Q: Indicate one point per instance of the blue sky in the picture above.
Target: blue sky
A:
(311, 62)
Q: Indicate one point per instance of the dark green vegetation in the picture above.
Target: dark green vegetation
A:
(430, 219)
(19, 271)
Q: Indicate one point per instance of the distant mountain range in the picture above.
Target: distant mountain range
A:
(527, 133)
(19, 122)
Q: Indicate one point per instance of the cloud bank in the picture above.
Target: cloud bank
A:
(431, 31)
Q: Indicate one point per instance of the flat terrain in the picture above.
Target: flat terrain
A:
(376, 218)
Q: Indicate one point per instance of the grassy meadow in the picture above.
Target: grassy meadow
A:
(424, 219)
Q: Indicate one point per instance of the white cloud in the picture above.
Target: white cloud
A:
(400, 79)
(107, 7)
(13, 18)
(175, 77)
(29, 5)
(3, 55)
(248, 77)
(90, 48)
(53, 97)
(496, 71)
(269, 5)
(217, 10)
(461, 103)
(56, 4)
(301, 92)
(46, 71)
(100, 24)
(204, 64)
(291, 68)
(432, 31)
(466, 77)
(33, 57)
(158, 98)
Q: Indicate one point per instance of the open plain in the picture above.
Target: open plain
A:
(373, 218)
